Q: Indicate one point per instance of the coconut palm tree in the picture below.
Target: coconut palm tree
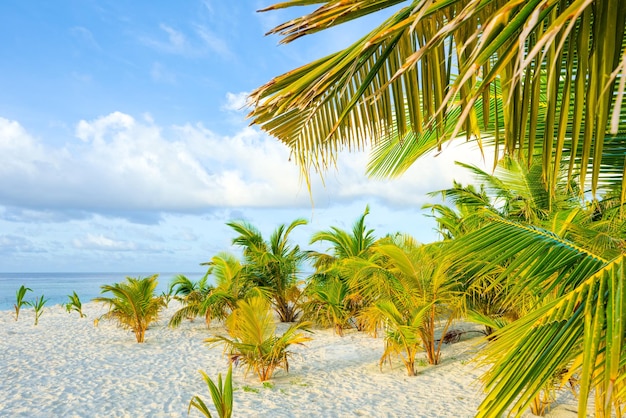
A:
(134, 304)
(231, 286)
(551, 74)
(576, 328)
(331, 302)
(191, 295)
(328, 304)
(410, 293)
(254, 342)
(272, 266)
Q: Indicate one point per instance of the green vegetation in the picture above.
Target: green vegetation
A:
(221, 394)
(19, 299)
(409, 292)
(192, 296)
(250, 389)
(254, 342)
(133, 305)
(74, 304)
(272, 266)
(542, 266)
(38, 305)
(331, 300)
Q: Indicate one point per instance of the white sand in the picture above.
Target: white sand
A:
(66, 367)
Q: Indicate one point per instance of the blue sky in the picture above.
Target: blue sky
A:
(124, 145)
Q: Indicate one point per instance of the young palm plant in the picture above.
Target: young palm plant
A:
(19, 299)
(74, 304)
(221, 394)
(38, 305)
(331, 301)
(253, 341)
(575, 331)
(133, 305)
(411, 294)
(327, 304)
(273, 266)
(219, 301)
(191, 295)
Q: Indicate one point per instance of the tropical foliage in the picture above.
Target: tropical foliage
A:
(133, 305)
(221, 394)
(74, 304)
(575, 331)
(38, 305)
(19, 299)
(253, 341)
(330, 299)
(410, 293)
(272, 266)
(537, 79)
(191, 295)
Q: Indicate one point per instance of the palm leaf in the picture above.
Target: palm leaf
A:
(576, 331)
(549, 74)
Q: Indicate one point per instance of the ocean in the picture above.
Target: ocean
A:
(57, 286)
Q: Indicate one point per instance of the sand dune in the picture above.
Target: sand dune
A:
(66, 367)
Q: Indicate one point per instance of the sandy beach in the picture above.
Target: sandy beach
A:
(67, 367)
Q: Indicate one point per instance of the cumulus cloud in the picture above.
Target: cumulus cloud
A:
(121, 164)
(123, 167)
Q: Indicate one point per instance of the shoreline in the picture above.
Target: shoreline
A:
(67, 367)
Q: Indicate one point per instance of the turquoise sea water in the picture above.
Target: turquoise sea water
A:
(57, 286)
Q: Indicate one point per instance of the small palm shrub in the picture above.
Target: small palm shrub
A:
(134, 304)
(254, 342)
(221, 394)
(216, 302)
(191, 295)
(38, 305)
(74, 304)
(328, 305)
(19, 299)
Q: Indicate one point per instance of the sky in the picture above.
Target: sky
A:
(124, 143)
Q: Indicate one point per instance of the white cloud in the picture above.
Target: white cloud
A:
(100, 242)
(131, 168)
(122, 164)
(236, 102)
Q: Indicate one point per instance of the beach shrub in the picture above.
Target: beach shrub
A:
(327, 305)
(254, 342)
(74, 304)
(134, 304)
(19, 299)
(273, 266)
(38, 305)
(411, 294)
(331, 301)
(191, 295)
(221, 394)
